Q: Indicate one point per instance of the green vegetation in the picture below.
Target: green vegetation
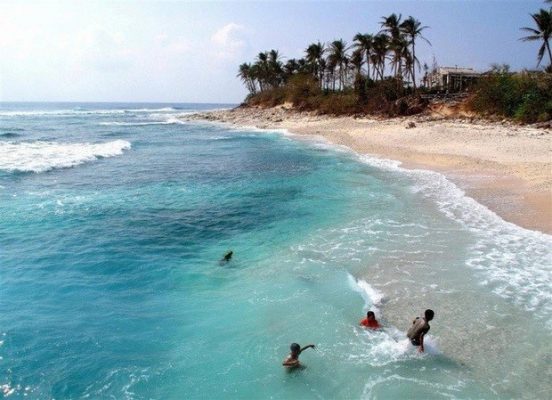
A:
(336, 78)
(525, 97)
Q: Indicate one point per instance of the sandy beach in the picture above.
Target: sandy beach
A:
(504, 166)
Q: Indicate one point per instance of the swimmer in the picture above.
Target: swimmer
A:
(370, 321)
(419, 328)
(292, 361)
(227, 257)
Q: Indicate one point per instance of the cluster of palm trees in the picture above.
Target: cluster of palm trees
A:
(337, 66)
(542, 32)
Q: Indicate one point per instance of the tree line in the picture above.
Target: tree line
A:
(337, 66)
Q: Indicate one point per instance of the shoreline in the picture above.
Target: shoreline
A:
(505, 167)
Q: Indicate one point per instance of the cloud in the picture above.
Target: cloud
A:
(228, 42)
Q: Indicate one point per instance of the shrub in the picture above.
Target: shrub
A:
(301, 88)
(339, 104)
(386, 97)
(526, 97)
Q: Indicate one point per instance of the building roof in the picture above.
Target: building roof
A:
(457, 70)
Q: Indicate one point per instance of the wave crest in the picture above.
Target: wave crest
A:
(68, 113)
(44, 156)
(168, 121)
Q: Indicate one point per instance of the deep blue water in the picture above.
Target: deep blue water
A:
(113, 219)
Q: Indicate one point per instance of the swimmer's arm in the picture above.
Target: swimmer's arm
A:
(307, 346)
(421, 348)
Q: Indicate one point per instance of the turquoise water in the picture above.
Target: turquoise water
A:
(113, 218)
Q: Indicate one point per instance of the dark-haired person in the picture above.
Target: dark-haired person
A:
(370, 321)
(292, 361)
(420, 326)
(227, 257)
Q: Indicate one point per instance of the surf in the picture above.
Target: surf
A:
(42, 156)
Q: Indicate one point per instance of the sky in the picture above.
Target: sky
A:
(189, 51)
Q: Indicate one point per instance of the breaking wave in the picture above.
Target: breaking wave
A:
(44, 156)
(168, 121)
(66, 113)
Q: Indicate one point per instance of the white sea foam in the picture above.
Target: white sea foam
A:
(372, 297)
(69, 112)
(156, 119)
(169, 121)
(514, 262)
(43, 156)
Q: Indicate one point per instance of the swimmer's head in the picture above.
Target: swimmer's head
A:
(370, 315)
(429, 314)
(295, 348)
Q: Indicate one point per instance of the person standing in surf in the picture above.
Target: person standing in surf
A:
(292, 361)
(419, 328)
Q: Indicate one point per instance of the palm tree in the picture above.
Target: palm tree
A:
(262, 70)
(412, 29)
(543, 20)
(331, 65)
(399, 49)
(302, 65)
(290, 67)
(314, 56)
(246, 76)
(364, 43)
(380, 49)
(409, 63)
(338, 58)
(391, 25)
(357, 60)
(323, 75)
(275, 68)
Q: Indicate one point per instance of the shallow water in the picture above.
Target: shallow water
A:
(113, 218)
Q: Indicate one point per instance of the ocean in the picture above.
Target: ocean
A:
(113, 221)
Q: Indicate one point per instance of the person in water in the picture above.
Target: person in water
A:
(292, 361)
(419, 328)
(227, 257)
(370, 321)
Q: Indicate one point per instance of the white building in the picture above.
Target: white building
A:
(451, 79)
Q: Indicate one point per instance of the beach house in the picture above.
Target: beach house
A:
(450, 79)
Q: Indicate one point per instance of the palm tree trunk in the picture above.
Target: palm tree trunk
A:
(413, 65)
(549, 53)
